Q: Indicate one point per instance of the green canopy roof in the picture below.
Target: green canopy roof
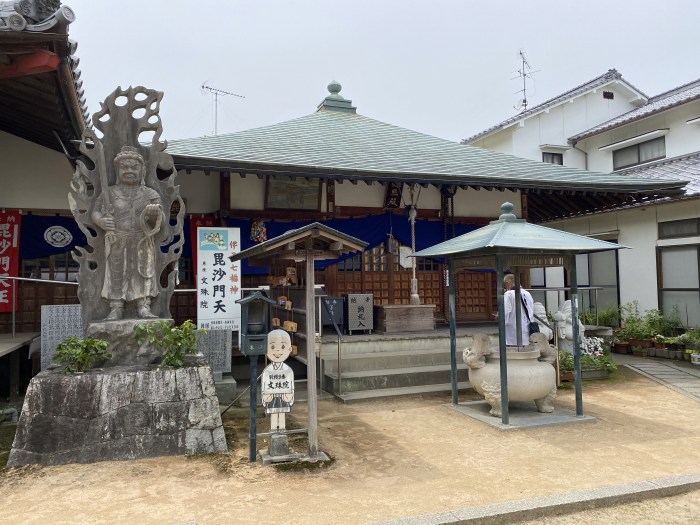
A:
(511, 235)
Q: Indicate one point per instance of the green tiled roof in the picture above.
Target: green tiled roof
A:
(337, 142)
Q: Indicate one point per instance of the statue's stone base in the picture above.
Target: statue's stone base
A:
(119, 414)
(122, 341)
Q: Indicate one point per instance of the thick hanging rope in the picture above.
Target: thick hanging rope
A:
(412, 214)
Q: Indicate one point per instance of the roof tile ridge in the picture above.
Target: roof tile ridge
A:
(645, 111)
(498, 234)
(657, 163)
(674, 91)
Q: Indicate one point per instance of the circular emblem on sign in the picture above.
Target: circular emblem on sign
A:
(58, 236)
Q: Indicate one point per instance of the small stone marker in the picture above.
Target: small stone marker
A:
(216, 347)
(58, 322)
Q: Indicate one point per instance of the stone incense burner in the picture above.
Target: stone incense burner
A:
(531, 375)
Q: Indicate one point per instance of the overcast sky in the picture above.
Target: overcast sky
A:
(441, 67)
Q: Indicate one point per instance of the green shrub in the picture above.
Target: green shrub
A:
(173, 341)
(672, 322)
(694, 336)
(80, 354)
(609, 316)
(634, 325)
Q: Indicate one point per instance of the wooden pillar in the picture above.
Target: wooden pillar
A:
(224, 191)
(252, 427)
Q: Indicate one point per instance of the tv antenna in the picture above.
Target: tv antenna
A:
(216, 92)
(524, 73)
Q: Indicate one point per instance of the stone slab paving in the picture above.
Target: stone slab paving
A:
(679, 376)
(521, 414)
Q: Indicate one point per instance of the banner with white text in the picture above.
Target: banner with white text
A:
(9, 257)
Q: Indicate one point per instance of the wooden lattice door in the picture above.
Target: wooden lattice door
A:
(475, 296)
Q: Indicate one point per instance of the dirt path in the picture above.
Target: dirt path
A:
(391, 459)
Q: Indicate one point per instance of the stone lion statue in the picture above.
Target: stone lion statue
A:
(548, 353)
(474, 355)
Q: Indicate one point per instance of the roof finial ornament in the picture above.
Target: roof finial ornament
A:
(507, 212)
(334, 87)
(335, 101)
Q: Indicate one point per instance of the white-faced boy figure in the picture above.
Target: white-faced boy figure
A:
(277, 379)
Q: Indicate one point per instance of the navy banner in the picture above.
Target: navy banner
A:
(43, 236)
(373, 230)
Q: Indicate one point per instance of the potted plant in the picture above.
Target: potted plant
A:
(620, 341)
(693, 343)
(596, 363)
(639, 331)
(655, 322)
(683, 341)
(591, 367)
(660, 341)
(566, 366)
(672, 322)
(639, 351)
(668, 342)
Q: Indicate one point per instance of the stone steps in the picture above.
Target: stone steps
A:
(392, 378)
(384, 360)
(350, 397)
(388, 366)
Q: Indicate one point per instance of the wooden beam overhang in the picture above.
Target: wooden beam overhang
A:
(40, 61)
(551, 201)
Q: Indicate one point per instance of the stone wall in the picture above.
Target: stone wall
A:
(118, 414)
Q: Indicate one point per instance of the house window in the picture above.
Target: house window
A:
(682, 228)
(639, 153)
(679, 282)
(598, 270)
(553, 158)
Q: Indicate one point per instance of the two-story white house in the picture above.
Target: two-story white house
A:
(655, 137)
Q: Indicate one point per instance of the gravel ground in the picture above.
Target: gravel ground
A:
(391, 459)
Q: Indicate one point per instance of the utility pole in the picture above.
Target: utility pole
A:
(216, 92)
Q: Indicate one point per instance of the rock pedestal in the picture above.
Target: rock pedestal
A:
(118, 414)
(122, 343)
